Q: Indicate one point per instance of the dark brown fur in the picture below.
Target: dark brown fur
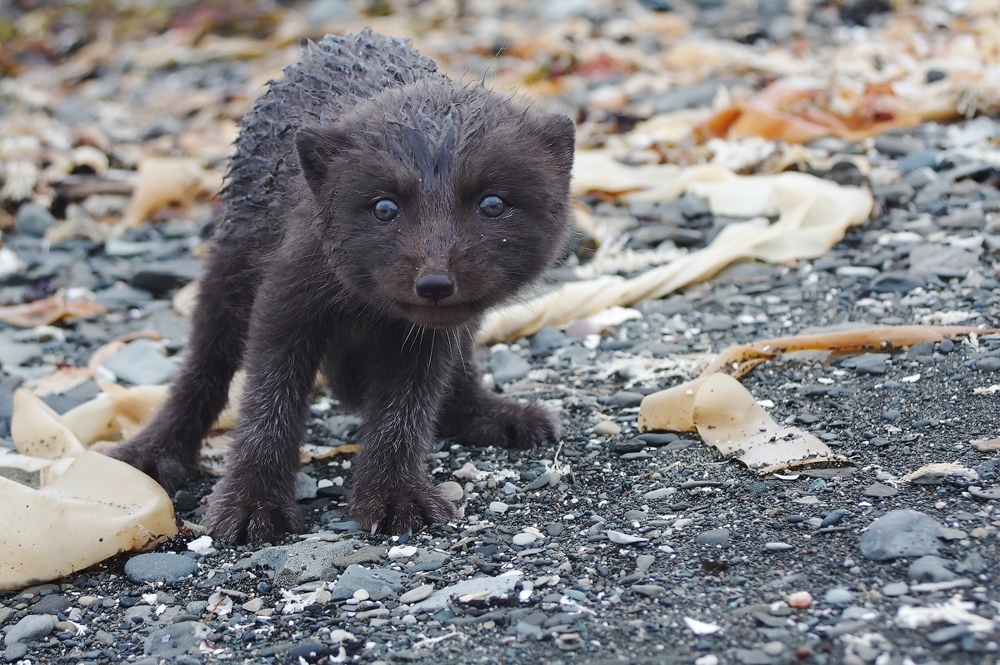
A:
(302, 274)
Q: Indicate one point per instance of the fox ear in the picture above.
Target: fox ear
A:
(558, 134)
(317, 148)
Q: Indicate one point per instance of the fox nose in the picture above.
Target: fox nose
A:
(434, 287)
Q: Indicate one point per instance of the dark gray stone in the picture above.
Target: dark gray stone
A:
(947, 634)
(833, 517)
(33, 220)
(546, 340)
(378, 582)
(894, 194)
(898, 145)
(141, 363)
(930, 569)
(942, 260)
(528, 630)
(880, 490)
(307, 561)
(15, 652)
(867, 363)
(968, 218)
(656, 439)
(175, 640)
(30, 628)
(14, 353)
(753, 657)
(988, 364)
(161, 277)
(507, 367)
(53, 603)
(623, 399)
(918, 160)
(896, 283)
(973, 563)
(900, 533)
(171, 568)
(122, 296)
(718, 537)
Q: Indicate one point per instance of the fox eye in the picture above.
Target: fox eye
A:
(492, 206)
(385, 210)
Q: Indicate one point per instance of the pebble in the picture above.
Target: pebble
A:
(253, 605)
(15, 652)
(942, 261)
(624, 538)
(482, 588)
(417, 594)
(30, 628)
(623, 399)
(507, 367)
(632, 445)
(162, 277)
(799, 600)
(175, 640)
(522, 539)
(649, 590)
(773, 648)
(880, 490)
(498, 507)
(777, 547)
(833, 517)
(930, 569)
(607, 428)
(305, 487)
(401, 552)
(895, 589)
(547, 340)
(141, 362)
(644, 561)
(753, 657)
(838, 596)
(900, 533)
(33, 220)
(654, 495)
(947, 634)
(451, 490)
(868, 363)
(303, 562)
(171, 568)
(719, 537)
(378, 583)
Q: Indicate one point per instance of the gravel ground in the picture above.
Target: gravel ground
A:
(608, 548)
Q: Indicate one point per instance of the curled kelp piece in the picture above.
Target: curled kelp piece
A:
(727, 416)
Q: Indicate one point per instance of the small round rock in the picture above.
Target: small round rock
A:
(30, 628)
(521, 539)
(800, 600)
(416, 595)
(254, 605)
(607, 428)
(171, 568)
(451, 490)
(838, 596)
